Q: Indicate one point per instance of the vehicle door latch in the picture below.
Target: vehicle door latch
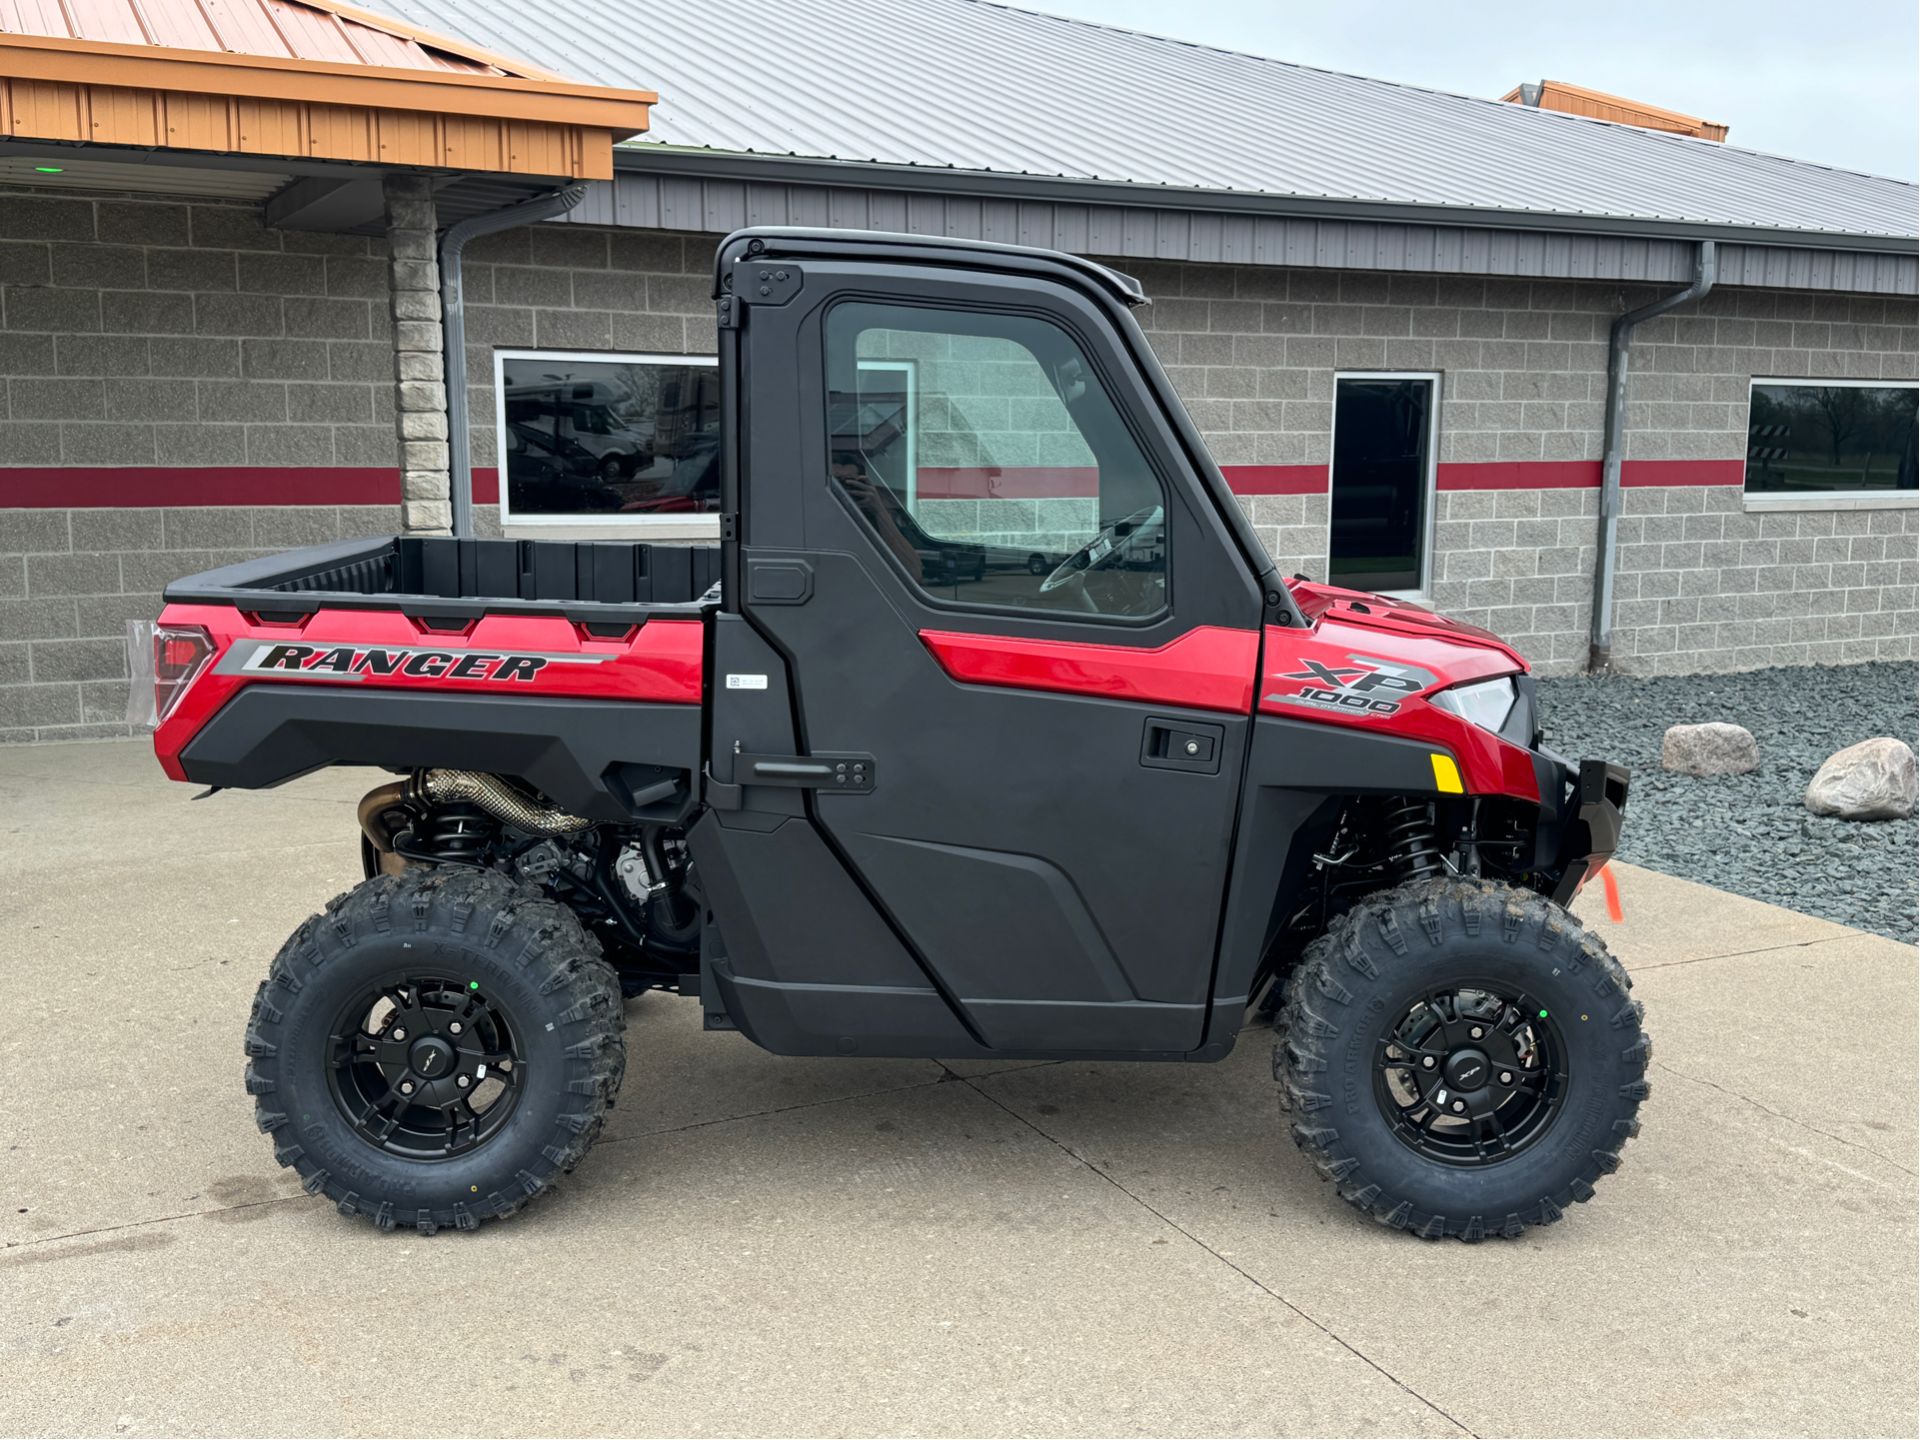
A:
(1194, 745)
(843, 773)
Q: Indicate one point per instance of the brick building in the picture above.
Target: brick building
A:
(206, 354)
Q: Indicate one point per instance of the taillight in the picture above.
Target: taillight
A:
(163, 661)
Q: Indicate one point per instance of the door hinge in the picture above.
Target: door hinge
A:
(764, 282)
(729, 527)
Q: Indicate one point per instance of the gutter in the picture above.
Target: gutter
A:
(453, 333)
(1614, 444)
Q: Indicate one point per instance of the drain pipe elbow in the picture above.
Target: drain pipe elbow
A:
(453, 328)
(1613, 447)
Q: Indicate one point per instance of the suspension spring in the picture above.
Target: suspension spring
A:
(455, 834)
(1411, 846)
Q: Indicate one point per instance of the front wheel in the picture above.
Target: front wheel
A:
(1461, 1058)
(435, 1049)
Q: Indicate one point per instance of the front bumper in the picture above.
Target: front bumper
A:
(1580, 829)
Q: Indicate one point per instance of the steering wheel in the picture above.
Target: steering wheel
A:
(1115, 540)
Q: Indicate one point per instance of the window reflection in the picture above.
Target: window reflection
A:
(605, 436)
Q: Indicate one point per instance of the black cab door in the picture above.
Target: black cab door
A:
(975, 539)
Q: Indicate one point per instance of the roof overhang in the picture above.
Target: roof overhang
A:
(909, 179)
(96, 92)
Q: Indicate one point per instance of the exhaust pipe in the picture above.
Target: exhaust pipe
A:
(504, 802)
(376, 847)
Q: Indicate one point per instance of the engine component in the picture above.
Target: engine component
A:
(539, 862)
(640, 882)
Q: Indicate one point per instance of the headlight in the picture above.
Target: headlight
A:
(1487, 703)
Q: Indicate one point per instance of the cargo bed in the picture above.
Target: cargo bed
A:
(437, 577)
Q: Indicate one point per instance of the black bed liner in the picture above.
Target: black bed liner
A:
(439, 577)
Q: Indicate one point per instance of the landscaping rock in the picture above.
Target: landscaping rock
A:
(1753, 834)
(1874, 780)
(1714, 748)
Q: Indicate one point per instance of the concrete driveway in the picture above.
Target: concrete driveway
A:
(781, 1247)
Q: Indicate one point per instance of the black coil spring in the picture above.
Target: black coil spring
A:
(1410, 841)
(455, 834)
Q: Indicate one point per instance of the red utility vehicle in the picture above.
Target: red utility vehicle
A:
(857, 796)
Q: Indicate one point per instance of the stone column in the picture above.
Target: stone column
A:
(420, 400)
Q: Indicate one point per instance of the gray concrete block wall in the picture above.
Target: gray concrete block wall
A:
(1253, 352)
(136, 330)
(1520, 563)
(569, 287)
(71, 579)
(1707, 585)
(1522, 368)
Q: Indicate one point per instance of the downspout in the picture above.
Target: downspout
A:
(1619, 344)
(453, 326)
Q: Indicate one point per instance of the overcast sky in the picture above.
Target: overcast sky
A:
(1826, 80)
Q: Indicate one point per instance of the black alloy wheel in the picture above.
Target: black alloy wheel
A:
(1461, 1058)
(435, 1049)
(424, 1066)
(1469, 1075)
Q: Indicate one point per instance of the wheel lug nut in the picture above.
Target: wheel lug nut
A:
(406, 1087)
(1476, 1032)
(1458, 1106)
(1506, 1077)
(1427, 1061)
(463, 1082)
(399, 1032)
(454, 1028)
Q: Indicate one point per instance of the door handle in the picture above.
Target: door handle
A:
(1182, 745)
(846, 774)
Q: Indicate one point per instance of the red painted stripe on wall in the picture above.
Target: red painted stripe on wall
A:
(1585, 474)
(119, 487)
(1683, 472)
(1008, 482)
(1520, 475)
(1054, 482)
(123, 486)
(1276, 479)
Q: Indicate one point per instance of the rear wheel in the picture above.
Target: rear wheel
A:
(1461, 1058)
(435, 1048)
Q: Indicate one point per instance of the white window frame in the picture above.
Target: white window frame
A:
(675, 527)
(912, 388)
(1827, 499)
(1430, 502)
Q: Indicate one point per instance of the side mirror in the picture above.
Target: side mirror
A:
(1071, 381)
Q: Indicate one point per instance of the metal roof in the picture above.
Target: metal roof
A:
(969, 86)
(279, 29)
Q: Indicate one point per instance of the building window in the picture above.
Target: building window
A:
(1834, 438)
(606, 438)
(1384, 444)
(987, 461)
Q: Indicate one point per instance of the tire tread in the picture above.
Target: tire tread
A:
(1428, 909)
(586, 991)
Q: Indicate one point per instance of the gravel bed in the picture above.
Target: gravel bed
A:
(1751, 834)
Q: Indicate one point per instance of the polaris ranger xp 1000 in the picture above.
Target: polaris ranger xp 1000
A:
(987, 729)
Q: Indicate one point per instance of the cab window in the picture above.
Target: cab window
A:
(987, 461)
